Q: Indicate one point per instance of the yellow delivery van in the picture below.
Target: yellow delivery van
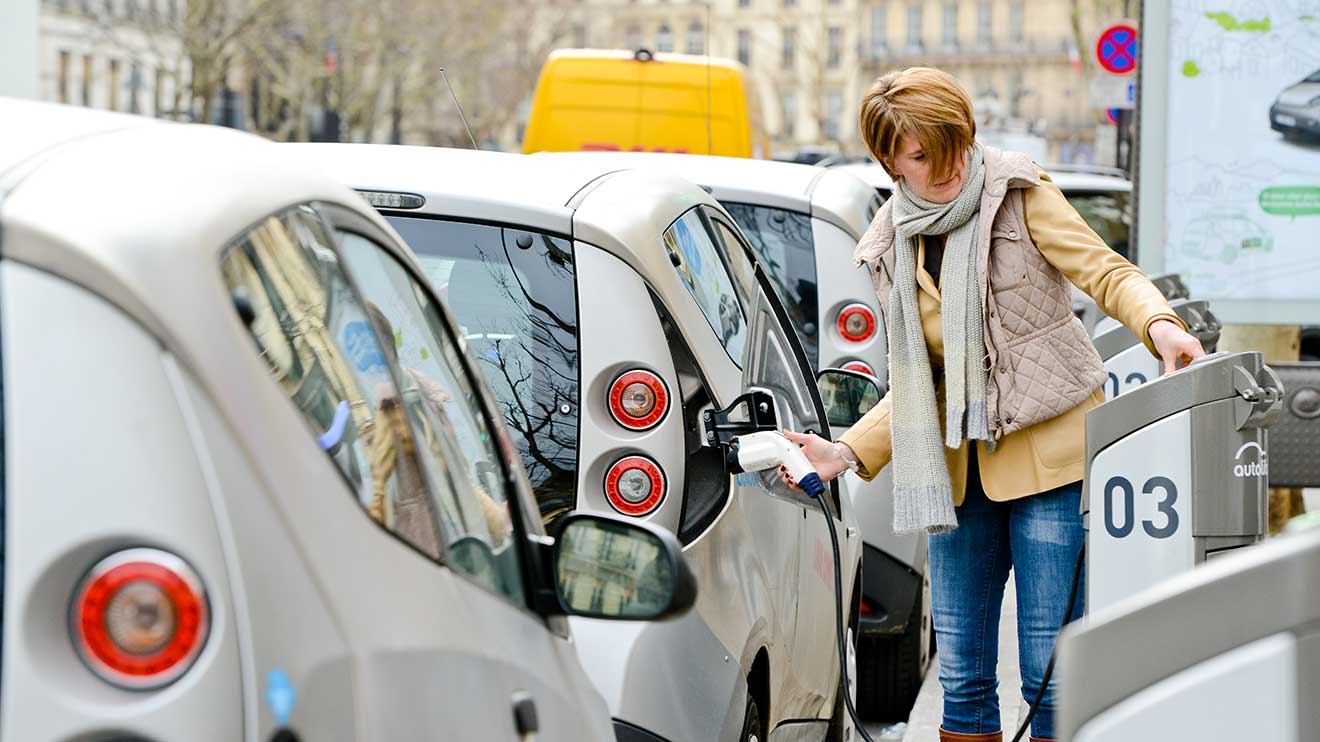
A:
(591, 99)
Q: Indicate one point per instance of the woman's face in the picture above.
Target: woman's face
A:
(914, 167)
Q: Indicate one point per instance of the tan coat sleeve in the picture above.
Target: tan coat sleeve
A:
(1120, 288)
(870, 440)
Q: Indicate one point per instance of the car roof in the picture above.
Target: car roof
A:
(835, 196)
(1068, 181)
(495, 186)
(89, 181)
(626, 55)
(532, 192)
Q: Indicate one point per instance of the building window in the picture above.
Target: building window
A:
(62, 81)
(790, 3)
(984, 21)
(158, 92)
(1017, 20)
(833, 113)
(112, 85)
(878, 31)
(834, 46)
(950, 35)
(632, 38)
(87, 80)
(134, 84)
(789, 57)
(914, 26)
(745, 46)
(664, 39)
(789, 103)
(744, 3)
(696, 39)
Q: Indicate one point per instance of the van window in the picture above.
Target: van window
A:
(513, 295)
(320, 344)
(456, 449)
(697, 260)
(1108, 213)
(783, 243)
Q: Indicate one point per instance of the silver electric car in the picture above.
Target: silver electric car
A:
(803, 223)
(628, 333)
(254, 488)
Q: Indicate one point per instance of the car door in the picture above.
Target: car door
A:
(775, 362)
(429, 579)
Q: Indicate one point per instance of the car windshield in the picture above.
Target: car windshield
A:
(1108, 213)
(513, 294)
(1315, 77)
(782, 241)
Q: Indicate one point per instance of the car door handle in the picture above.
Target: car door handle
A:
(524, 716)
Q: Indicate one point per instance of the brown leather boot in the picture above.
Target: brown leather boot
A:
(959, 737)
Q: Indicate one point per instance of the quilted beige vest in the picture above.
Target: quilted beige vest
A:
(1041, 361)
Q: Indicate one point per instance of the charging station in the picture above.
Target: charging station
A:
(1126, 359)
(1177, 473)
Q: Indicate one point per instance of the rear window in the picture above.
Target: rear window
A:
(513, 294)
(1108, 213)
(783, 243)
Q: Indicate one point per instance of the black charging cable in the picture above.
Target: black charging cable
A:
(817, 490)
(1049, 669)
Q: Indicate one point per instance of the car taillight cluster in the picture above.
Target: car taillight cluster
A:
(638, 400)
(856, 323)
(140, 618)
(635, 485)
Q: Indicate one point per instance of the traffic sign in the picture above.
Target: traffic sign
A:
(1112, 91)
(1116, 49)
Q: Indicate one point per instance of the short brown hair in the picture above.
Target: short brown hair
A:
(922, 103)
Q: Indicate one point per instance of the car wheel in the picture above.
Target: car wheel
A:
(891, 669)
(752, 731)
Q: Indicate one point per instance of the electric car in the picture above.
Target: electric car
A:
(803, 223)
(254, 487)
(629, 336)
(1296, 112)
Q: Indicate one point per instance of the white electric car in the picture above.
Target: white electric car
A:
(253, 485)
(629, 333)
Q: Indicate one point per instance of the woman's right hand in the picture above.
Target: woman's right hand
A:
(824, 458)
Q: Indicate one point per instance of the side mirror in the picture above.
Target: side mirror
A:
(848, 395)
(609, 568)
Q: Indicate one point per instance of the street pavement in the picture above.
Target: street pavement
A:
(924, 723)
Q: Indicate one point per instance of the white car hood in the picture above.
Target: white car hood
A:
(1300, 94)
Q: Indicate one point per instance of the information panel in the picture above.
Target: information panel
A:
(1229, 172)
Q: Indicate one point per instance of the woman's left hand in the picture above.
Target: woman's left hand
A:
(1174, 345)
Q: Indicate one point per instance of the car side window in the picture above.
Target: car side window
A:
(696, 257)
(456, 443)
(320, 345)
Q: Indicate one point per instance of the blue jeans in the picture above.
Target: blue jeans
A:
(1038, 537)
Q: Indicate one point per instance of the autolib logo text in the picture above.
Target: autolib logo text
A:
(1258, 468)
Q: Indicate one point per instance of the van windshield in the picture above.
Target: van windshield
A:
(783, 243)
(513, 295)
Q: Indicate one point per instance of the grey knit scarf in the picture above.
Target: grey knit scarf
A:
(923, 492)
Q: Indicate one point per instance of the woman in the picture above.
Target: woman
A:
(971, 260)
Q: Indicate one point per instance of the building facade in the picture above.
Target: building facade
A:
(1027, 63)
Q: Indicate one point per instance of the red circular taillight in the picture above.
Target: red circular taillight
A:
(140, 618)
(860, 367)
(635, 485)
(638, 400)
(856, 323)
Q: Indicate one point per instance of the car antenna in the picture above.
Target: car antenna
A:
(461, 117)
(710, 145)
